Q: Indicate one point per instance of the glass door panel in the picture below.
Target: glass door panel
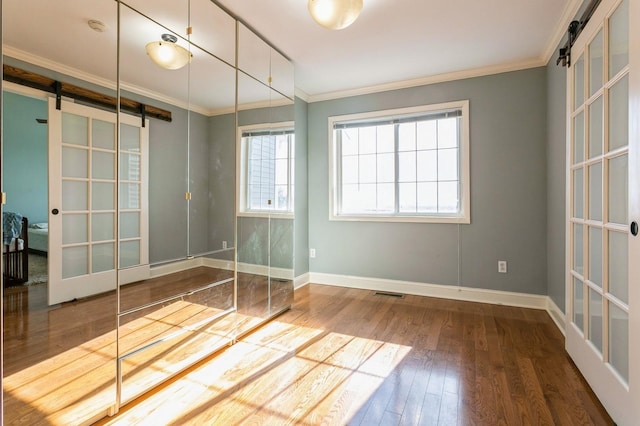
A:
(59, 358)
(86, 188)
(600, 307)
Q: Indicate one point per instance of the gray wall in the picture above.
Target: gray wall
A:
(508, 193)
(222, 180)
(556, 181)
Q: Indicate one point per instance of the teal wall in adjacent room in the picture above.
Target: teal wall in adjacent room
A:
(24, 166)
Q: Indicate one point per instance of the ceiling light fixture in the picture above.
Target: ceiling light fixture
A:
(167, 54)
(335, 14)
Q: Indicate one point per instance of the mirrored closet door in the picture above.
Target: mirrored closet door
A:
(135, 199)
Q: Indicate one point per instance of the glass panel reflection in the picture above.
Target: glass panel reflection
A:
(619, 340)
(103, 134)
(595, 128)
(75, 129)
(595, 256)
(619, 114)
(75, 261)
(596, 64)
(619, 39)
(595, 319)
(578, 303)
(619, 265)
(618, 189)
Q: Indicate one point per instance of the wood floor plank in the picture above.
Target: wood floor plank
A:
(344, 356)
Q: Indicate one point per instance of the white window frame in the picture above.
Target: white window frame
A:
(242, 172)
(464, 214)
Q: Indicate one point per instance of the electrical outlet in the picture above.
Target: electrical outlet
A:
(224, 244)
(502, 266)
(312, 253)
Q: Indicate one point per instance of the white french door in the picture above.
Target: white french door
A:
(84, 186)
(603, 199)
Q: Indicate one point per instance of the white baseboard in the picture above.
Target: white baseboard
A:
(556, 315)
(301, 281)
(177, 266)
(468, 294)
(522, 300)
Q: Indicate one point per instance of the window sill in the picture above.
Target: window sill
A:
(273, 215)
(464, 220)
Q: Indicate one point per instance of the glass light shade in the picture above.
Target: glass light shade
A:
(168, 55)
(335, 14)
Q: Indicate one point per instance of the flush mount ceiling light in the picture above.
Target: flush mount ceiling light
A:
(335, 14)
(167, 54)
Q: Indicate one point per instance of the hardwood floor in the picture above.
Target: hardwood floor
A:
(345, 356)
(59, 361)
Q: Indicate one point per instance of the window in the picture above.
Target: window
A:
(266, 169)
(409, 164)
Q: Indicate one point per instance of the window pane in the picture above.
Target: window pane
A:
(427, 134)
(413, 167)
(407, 166)
(427, 166)
(368, 140)
(447, 197)
(359, 198)
(349, 141)
(408, 201)
(282, 146)
(282, 197)
(448, 133)
(386, 201)
(448, 164)
(386, 138)
(407, 137)
(350, 169)
(282, 172)
(368, 168)
(386, 168)
(428, 197)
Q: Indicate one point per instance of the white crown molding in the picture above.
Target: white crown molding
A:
(103, 82)
(424, 81)
(569, 13)
(299, 93)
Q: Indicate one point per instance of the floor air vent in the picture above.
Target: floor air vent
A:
(389, 294)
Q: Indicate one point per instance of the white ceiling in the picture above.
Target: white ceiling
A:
(398, 40)
(393, 43)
